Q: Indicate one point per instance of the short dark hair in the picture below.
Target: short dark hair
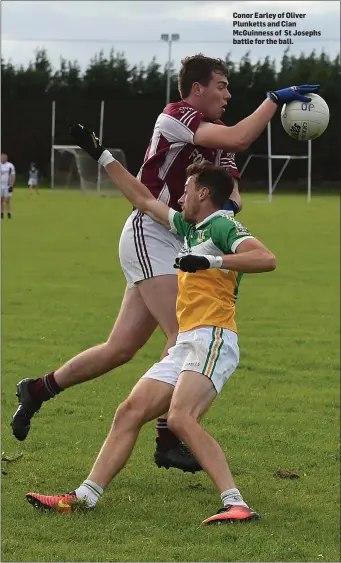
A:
(198, 69)
(217, 179)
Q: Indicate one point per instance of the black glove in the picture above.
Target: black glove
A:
(10, 189)
(87, 140)
(191, 263)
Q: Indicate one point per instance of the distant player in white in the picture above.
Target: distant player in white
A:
(7, 184)
(33, 177)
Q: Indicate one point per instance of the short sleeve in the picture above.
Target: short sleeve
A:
(228, 233)
(178, 123)
(12, 169)
(178, 225)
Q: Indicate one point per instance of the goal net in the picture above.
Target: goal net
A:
(73, 168)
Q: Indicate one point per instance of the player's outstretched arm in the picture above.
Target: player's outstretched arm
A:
(136, 192)
(240, 136)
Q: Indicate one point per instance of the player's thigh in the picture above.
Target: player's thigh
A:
(149, 399)
(193, 395)
(134, 324)
(160, 294)
(213, 356)
(147, 253)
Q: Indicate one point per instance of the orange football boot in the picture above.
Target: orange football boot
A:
(60, 503)
(232, 513)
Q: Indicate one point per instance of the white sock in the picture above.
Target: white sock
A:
(232, 497)
(90, 492)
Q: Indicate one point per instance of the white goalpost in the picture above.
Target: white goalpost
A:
(287, 158)
(71, 167)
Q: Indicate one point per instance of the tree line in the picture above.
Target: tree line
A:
(135, 95)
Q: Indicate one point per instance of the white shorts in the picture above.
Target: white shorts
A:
(32, 183)
(146, 249)
(5, 193)
(212, 351)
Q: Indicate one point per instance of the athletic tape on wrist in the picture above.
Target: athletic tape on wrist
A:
(105, 158)
(215, 261)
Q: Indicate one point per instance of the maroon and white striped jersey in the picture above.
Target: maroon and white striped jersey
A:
(171, 150)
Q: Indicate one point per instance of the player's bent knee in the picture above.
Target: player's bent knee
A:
(120, 355)
(129, 413)
(177, 421)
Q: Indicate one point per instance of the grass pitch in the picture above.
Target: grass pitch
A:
(61, 291)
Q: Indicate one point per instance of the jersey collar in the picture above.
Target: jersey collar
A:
(219, 213)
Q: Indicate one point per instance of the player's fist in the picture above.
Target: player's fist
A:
(87, 140)
(293, 93)
(191, 263)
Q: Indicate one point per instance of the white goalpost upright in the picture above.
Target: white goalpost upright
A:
(99, 167)
(53, 133)
(287, 158)
(71, 166)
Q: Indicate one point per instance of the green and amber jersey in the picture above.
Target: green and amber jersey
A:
(207, 297)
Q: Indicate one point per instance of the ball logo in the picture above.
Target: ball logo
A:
(304, 130)
(307, 107)
(295, 130)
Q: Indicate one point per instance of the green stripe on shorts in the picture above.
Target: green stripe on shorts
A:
(210, 349)
(218, 353)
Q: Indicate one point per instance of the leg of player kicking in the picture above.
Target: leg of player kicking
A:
(133, 327)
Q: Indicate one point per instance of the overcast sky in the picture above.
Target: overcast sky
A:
(79, 29)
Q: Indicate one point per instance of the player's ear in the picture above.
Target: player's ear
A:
(196, 89)
(204, 193)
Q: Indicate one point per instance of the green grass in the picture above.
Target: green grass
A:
(61, 290)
